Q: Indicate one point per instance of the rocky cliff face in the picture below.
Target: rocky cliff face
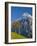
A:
(23, 25)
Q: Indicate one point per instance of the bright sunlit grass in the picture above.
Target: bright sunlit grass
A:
(14, 35)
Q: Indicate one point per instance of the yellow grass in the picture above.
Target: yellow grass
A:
(14, 35)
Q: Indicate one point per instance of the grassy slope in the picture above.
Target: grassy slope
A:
(14, 35)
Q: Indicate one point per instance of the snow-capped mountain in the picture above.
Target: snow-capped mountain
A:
(24, 16)
(25, 24)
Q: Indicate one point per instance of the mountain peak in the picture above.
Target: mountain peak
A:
(24, 16)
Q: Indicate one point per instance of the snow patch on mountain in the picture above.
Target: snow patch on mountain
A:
(23, 16)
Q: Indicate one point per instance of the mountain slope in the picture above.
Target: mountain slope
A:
(14, 35)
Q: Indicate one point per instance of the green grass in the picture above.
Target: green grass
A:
(14, 35)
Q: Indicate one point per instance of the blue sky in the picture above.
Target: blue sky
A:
(17, 12)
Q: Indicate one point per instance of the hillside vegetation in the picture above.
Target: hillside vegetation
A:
(14, 35)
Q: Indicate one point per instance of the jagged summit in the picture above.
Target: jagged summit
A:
(24, 16)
